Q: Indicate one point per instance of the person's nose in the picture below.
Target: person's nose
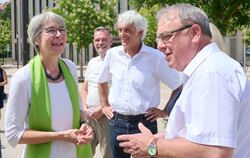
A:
(101, 41)
(58, 33)
(161, 46)
(121, 33)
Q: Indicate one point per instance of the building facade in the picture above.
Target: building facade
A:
(234, 45)
(35, 7)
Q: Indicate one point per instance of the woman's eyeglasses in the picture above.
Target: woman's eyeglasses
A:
(52, 31)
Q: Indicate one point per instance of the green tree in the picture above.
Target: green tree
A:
(227, 15)
(6, 14)
(149, 14)
(5, 30)
(82, 17)
(246, 35)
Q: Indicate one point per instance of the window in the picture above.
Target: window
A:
(34, 7)
(71, 52)
(120, 6)
(248, 51)
(129, 7)
(40, 5)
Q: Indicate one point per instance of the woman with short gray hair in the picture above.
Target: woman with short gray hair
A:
(44, 108)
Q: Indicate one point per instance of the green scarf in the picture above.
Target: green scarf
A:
(40, 109)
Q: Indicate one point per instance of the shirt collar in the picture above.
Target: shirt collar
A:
(199, 58)
(99, 58)
(142, 50)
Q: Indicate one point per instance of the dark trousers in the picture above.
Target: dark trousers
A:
(121, 124)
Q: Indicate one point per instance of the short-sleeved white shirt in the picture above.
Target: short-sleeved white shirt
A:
(136, 82)
(214, 106)
(91, 75)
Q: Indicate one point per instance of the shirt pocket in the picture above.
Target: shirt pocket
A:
(142, 79)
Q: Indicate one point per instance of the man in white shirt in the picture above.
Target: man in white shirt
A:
(136, 71)
(211, 118)
(90, 95)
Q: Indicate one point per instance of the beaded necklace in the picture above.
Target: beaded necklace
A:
(50, 77)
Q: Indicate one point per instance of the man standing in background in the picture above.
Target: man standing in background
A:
(90, 95)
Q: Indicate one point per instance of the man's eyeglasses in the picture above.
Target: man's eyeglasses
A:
(165, 36)
(52, 31)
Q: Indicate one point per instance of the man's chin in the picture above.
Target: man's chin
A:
(171, 65)
(124, 43)
(101, 52)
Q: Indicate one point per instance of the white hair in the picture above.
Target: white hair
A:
(132, 17)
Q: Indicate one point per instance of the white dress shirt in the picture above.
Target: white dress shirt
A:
(18, 105)
(91, 75)
(214, 106)
(136, 82)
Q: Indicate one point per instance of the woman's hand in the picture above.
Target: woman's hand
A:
(85, 134)
(70, 135)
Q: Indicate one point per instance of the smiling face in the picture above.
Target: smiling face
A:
(129, 36)
(102, 42)
(174, 45)
(48, 44)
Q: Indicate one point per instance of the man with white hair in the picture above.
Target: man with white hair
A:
(136, 71)
(211, 118)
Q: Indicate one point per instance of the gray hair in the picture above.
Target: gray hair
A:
(37, 22)
(101, 28)
(189, 15)
(132, 17)
(217, 37)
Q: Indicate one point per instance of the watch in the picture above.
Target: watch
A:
(152, 149)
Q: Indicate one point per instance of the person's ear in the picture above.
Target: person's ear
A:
(196, 33)
(37, 42)
(140, 33)
(111, 41)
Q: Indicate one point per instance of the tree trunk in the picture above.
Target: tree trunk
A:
(81, 78)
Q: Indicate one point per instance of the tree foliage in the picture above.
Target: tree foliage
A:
(6, 14)
(152, 24)
(246, 35)
(83, 16)
(5, 29)
(227, 15)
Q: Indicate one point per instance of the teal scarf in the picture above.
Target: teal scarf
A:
(40, 109)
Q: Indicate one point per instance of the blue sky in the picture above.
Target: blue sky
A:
(3, 1)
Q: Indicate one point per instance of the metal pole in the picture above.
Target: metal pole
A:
(244, 52)
(17, 54)
(81, 79)
(244, 56)
(24, 16)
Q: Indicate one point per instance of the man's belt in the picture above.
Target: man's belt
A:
(130, 118)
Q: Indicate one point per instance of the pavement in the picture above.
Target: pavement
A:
(9, 152)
